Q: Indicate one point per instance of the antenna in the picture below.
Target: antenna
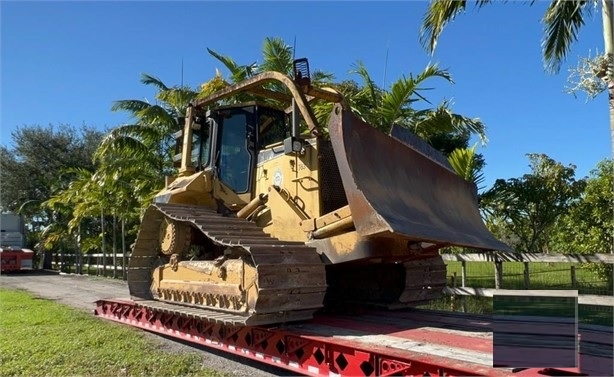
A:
(294, 49)
(182, 73)
(386, 64)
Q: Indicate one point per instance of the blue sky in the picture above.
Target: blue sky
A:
(66, 62)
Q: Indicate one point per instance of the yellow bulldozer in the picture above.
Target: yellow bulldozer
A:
(264, 225)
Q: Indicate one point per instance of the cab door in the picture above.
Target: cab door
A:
(234, 156)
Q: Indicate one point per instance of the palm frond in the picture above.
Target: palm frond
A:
(433, 70)
(130, 105)
(77, 200)
(562, 22)
(237, 72)
(128, 140)
(464, 164)
(277, 56)
(322, 78)
(358, 99)
(213, 85)
(178, 98)
(462, 123)
(369, 85)
(245, 72)
(438, 15)
(322, 111)
(122, 147)
(395, 100)
(227, 61)
(148, 79)
(157, 117)
(441, 119)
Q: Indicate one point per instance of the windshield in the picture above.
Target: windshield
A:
(234, 157)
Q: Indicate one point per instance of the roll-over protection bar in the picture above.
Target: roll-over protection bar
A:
(300, 94)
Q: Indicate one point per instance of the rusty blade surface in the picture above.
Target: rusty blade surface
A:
(394, 190)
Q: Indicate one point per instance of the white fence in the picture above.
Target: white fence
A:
(95, 263)
(458, 284)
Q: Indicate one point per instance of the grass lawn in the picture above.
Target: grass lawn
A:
(42, 338)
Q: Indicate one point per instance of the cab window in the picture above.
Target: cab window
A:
(200, 147)
(235, 159)
(271, 127)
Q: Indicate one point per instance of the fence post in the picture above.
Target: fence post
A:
(526, 275)
(62, 261)
(453, 298)
(463, 273)
(574, 282)
(498, 273)
(79, 251)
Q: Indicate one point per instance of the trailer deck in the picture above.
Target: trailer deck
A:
(365, 343)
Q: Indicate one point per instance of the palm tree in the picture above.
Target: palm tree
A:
(117, 188)
(129, 186)
(378, 107)
(276, 56)
(397, 105)
(562, 22)
(446, 131)
(150, 138)
(81, 199)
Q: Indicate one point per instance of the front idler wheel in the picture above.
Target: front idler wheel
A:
(174, 237)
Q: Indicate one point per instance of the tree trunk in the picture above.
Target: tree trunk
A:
(104, 248)
(47, 259)
(79, 251)
(114, 246)
(608, 38)
(124, 259)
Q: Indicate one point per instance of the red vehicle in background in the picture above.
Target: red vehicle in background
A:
(13, 255)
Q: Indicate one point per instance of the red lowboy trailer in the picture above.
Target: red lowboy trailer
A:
(367, 343)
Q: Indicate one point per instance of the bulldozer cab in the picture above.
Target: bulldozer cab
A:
(226, 140)
(242, 132)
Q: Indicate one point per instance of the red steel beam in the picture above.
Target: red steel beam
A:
(287, 348)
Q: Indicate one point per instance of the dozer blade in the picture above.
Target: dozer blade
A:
(395, 190)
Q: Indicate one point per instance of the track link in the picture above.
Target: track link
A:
(290, 277)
